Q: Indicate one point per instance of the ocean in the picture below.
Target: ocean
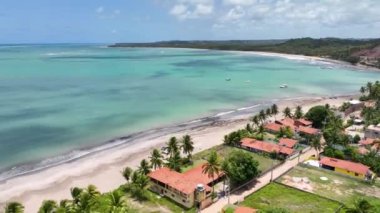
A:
(63, 101)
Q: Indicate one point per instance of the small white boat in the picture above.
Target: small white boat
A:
(283, 86)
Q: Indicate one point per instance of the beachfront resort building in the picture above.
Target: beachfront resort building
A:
(301, 126)
(254, 145)
(287, 142)
(372, 131)
(357, 170)
(189, 189)
(354, 105)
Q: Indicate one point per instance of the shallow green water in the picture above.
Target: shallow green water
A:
(58, 98)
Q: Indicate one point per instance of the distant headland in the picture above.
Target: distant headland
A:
(355, 51)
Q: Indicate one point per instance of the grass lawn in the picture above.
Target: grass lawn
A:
(264, 162)
(337, 187)
(155, 203)
(279, 196)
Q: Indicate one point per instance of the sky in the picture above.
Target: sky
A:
(109, 21)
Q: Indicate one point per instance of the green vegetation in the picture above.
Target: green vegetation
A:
(240, 167)
(290, 199)
(371, 92)
(14, 207)
(223, 151)
(334, 48)
(212, 166)
(317, 115)
(337, 186)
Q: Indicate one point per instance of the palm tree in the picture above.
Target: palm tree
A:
(75, 194)
(298, 113)
(316, 144)
(268, 112)
(274, 110)
(212, 167)
(172, 146)
(255, 119)
(144, 167)
(66, 206)
(116, 202)
(127, 173)
(362, 90)
(48, 206)
(14, 207)
(360, 206)
(287, 112)
(262, 116)
(187, 145)
(156, 159)
(261, 131)
(92, 191)
(174, 163)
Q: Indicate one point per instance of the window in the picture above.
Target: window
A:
(356, 174)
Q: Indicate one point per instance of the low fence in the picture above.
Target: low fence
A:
(320, 196)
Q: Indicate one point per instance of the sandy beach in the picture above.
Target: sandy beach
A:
(104, 169)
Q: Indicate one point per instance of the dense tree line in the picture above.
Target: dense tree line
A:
(339, 49)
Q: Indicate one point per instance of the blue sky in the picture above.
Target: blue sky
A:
(101, 21)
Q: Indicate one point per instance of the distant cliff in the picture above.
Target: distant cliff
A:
(355, 51)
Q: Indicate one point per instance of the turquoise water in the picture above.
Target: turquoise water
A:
(59, 98)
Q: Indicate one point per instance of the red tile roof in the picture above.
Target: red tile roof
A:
(308, 130)
(273, 127)
(183, 182)
(290, 143)
(266, 146)
(287, 122)
(362, 150)
(243, 209)
(368, 141)
(305, 122)
(346, 165)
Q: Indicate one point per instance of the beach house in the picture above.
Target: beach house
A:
(372, 131)
(287, 142)
(189, 189)
(254, 145)
(357, 170)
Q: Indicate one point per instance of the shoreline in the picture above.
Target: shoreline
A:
(55, 182)
(358, 66)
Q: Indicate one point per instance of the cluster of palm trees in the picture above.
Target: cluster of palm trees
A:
(259, 119)
(83, 200)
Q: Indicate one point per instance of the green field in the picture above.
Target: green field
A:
(279, 196)
(337, 187)
(265, 163)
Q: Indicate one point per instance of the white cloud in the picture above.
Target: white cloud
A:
(100, 9)
(192, 9)
(239, 2)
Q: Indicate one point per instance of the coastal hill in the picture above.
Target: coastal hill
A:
(355, 51)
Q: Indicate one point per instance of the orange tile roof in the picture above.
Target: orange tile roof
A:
(368, 141)
(183, 182)
(266, 146)
(287, 122)
(273, 127)
(243, 209)
(362, 150)
(343, 164)
(305, 122)
(308, 130)
(290, 143)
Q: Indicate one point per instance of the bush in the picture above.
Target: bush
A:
(317, 115)
(240, 167)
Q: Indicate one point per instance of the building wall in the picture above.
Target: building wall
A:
(353, 174)
(187, 202)
(371, 133)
